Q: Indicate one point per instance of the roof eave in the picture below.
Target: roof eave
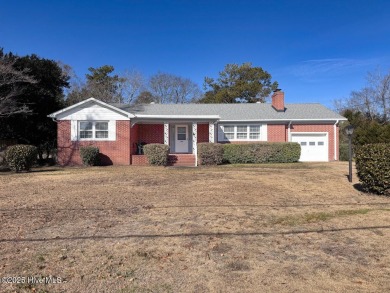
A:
(285, 119)
(212, 117)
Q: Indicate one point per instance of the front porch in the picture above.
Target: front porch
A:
(182, 138)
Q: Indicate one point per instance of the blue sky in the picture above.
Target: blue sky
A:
(316, 50)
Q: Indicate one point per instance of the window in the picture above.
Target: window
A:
(312, 143)
(229, 131)
(86, 129)
(303, 143)
(321, 143)
(181, 133)
(240, 132)
(101, 129)
(93, 130)
(254, 131)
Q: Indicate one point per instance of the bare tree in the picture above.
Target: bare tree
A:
(364, 101)
(373, 100)
(12, 85)
(185, 90)
(380, 83)
(145, 97)
(169, 88)
(102, 84)
(131, 85)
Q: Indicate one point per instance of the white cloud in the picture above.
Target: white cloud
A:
(319, 69)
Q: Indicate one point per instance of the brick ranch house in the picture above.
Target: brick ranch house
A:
(117, 129)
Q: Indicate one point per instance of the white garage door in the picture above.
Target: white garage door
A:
(314, 147)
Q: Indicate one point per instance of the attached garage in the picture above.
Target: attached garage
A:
(314, 146)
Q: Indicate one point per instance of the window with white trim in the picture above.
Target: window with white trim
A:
(240, 132)
(254, 132)
(228, 131)
(91, 130)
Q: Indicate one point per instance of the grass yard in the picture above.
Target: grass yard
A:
(262, 228)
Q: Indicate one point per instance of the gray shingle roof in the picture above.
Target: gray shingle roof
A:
(232, 112)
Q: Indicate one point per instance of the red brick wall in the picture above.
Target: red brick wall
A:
(134, 138)
(321, 128)
(113, 152)
(203, 133)
(151, 133)
(139, 160)
(278, 100)
(277, 132)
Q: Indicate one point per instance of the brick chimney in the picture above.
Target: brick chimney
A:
(278, 100)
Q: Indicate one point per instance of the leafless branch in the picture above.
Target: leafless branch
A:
(12, 85)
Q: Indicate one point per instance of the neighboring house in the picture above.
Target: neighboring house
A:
(117, 128)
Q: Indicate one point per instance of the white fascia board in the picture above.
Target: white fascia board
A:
(55, 114)
(284, 120)
(216, 117)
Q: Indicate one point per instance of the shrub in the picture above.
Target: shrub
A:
(210, 153)
(90, 155)
(343, 151)
(157, 153)
(373, 167)
(284, 152)
(21, 157)
(2, 154)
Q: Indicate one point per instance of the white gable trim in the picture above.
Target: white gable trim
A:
(63, 111)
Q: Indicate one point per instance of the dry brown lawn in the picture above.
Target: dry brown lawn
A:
(262, 228)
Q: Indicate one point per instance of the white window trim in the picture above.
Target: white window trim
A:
(75, 130)
(262, 135)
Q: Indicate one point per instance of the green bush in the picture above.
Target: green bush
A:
(157, 153)
(373, 167)
(21, 157)
(210, 153)
(283, 152)
(90, 155)
(2, 155)
(343, 152)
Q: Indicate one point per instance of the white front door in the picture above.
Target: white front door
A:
(181, 139)
(314, 147)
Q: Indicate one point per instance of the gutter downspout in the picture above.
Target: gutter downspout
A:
(335, 140)
(289, 132)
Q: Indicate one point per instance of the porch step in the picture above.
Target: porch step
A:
(185, 160)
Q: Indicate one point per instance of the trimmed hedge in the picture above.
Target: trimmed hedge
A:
(373, 167)
(90, 155)
(210, 153)
(21, 157)
(254, 153)
(157, 153)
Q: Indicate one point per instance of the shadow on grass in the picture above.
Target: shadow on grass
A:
(138, 208)
(359, 187)
(201, 234)
(5, 169)
(46, 170)
(10, 172)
